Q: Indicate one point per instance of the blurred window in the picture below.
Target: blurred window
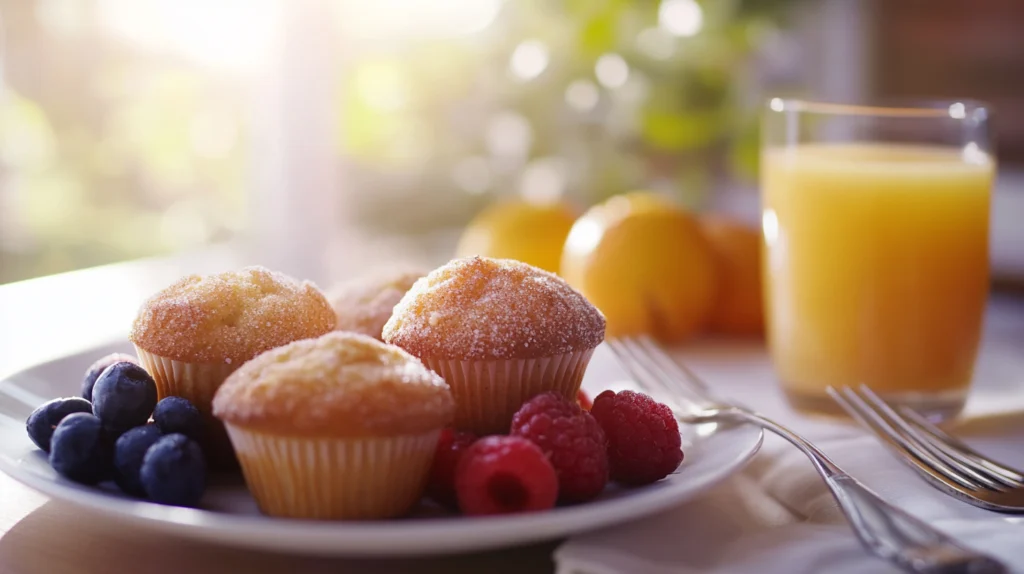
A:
(123, 127)
(126, 125)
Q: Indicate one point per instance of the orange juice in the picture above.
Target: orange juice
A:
(876, 266)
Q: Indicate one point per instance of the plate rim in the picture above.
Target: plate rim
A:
(385, 537)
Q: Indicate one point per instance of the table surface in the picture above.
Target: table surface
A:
(39, 321)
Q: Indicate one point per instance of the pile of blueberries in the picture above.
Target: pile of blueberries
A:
(118, 431)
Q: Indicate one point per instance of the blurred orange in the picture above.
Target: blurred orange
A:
(738, 309)
(531, 232)
(644, 262)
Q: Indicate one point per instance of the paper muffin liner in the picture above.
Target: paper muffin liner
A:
(197, 382)
(334, 478)
(488, 393)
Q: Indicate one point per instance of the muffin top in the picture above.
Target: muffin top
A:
(479, 308)
(230, 317)
(364, 304)
(341, 384)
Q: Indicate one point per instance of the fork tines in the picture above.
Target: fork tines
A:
(925, 446)
(656, 372)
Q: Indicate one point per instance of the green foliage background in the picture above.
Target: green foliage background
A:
(108, 152)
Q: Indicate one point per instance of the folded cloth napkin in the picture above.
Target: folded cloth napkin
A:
(778, 517)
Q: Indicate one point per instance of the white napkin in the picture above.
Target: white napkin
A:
(778, 517)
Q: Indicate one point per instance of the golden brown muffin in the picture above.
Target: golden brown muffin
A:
(341, 384)
(499, 331)
(342, 426)
(193, 334)
(482, 308)
(230, 317)
(364, 304)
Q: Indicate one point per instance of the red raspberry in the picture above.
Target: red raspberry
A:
(573, 441)
(450, 448)
(504, 474)
(643, 437)
(583, 400)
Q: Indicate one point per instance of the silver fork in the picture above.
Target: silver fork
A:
(945, 462)
(883, 529)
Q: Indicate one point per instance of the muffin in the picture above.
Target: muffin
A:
(193, 334)
(499, 331)
(364, 304)
(339, 427)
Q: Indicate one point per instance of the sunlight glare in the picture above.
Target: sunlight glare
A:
(529, 59)
(611, 70)
(584, 236)
(383, 85)
(770, 226)
(680, 17)
(384, 19)
(229, 34)
(973, 154)
(213, 135)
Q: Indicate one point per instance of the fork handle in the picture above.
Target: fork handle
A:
(895, 535)
(886, 531)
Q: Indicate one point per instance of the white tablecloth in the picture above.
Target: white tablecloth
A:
(777, 516)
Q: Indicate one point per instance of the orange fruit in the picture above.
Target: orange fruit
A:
(530, 232)
(644, 262)
(739, 308)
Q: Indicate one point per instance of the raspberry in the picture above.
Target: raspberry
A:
(505, 474)
(643, 437)
(450, 448)
(573, 441)
(583, 400)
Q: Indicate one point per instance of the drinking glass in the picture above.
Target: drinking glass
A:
(876, 230)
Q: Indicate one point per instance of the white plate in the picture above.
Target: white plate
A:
(229, 515)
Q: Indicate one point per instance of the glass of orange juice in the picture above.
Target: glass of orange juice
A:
(876, 271)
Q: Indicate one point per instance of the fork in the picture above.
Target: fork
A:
(883, 529)
(944, 461)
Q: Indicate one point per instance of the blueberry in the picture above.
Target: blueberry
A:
(42, 422)
(174, 471)
(176, 414)
(124, 396)
(81, 449)
(98, 367)
(129, 451)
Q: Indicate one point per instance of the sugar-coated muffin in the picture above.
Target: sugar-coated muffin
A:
(193, 334)
(338, 427)
(500, 332)
(363, 304)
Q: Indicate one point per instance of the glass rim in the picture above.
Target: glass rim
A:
(957, 109)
